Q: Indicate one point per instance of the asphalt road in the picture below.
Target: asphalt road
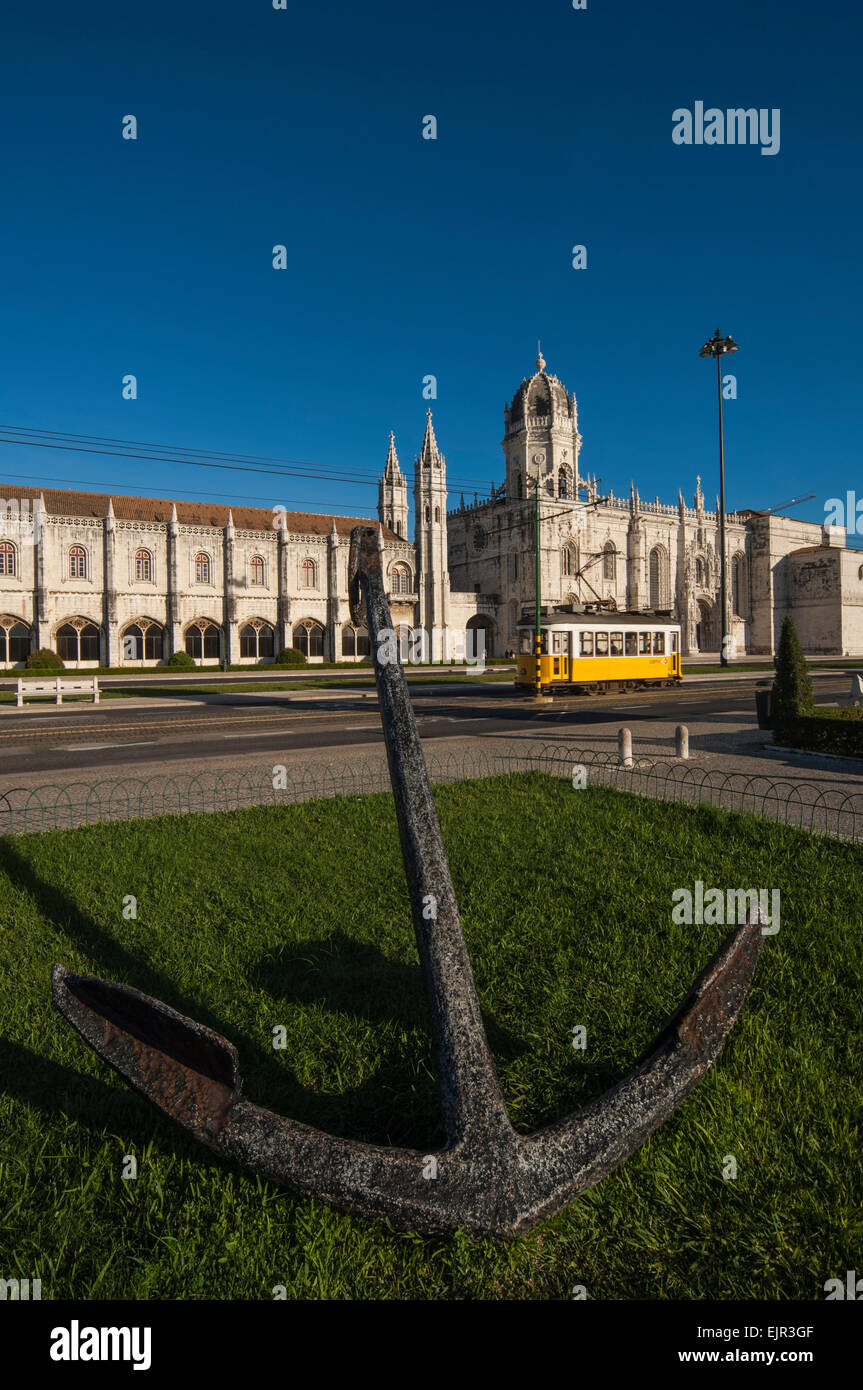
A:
(38, 740)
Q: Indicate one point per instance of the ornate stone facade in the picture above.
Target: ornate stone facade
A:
(113, 581)
(109, 580)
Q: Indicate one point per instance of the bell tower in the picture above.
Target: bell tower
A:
(541, 438)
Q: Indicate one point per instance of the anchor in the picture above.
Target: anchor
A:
(488, 1179)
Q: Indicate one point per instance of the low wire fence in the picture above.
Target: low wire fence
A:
(832, 811)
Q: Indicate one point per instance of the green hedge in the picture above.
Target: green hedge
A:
(829, 731)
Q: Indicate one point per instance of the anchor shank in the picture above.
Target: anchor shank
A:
(471, 1098)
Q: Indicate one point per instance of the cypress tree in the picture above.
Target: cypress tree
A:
(792, 685)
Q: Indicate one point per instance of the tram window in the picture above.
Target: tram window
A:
(644, 643)
(544, 646)
(659, 644)
(617, 644)
(602, 644)
(557, 642)
(587, 644)
(557, 665)
(632, 644)
(675, 641)
(525, 642)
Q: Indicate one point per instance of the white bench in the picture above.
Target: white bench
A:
(58, 687)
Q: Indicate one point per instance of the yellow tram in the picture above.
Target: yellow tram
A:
(587, 653)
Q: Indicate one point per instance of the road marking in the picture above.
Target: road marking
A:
(263, 733)
(92, 747)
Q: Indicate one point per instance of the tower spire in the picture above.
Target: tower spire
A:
(430, 455)
(392, 472)
(540, 360)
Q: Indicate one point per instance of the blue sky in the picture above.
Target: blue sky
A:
(409, 257)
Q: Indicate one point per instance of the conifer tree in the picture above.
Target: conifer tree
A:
(792, 685)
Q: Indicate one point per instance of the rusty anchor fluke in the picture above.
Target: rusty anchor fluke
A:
(489, 1179)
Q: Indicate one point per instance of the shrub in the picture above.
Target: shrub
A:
(827, 731)
(44, 660)
(181, 661)
(792, 685)
(290, 656)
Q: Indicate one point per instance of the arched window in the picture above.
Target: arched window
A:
(658, 578)
(7, 558)
(355, 641)
(78, 641)
(699, 573)
(309, 574)
(401, 579)
(437, 513)
(77, 562)
(609, 556)
(14, 641)
(309, 638)
(398, 528)
(563, 482)
(257, 639)
(202, 568)
(143, 566)
(738, 585)
(513, 561)
(568, 560)
(428, 513)
(202, 640)
(143, 641)
(256, 569)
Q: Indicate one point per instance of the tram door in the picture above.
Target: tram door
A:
(560, 651)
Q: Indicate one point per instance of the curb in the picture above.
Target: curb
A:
(772, 749)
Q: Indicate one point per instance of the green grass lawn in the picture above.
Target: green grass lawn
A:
(299, 916)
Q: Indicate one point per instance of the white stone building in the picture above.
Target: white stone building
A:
(113, 581)
(633, 555)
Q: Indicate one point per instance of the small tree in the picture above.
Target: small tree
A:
(44, 660)
(792, 685)
(291, 656)
(181, 661)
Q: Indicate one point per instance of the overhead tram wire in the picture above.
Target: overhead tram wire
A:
(167, 453)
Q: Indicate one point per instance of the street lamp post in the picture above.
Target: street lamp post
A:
(538, 638)
(717, 347)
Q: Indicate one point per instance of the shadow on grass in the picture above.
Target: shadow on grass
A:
(398, 1104)
(355, 978)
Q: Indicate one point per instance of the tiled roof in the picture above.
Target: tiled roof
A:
(95, 504)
